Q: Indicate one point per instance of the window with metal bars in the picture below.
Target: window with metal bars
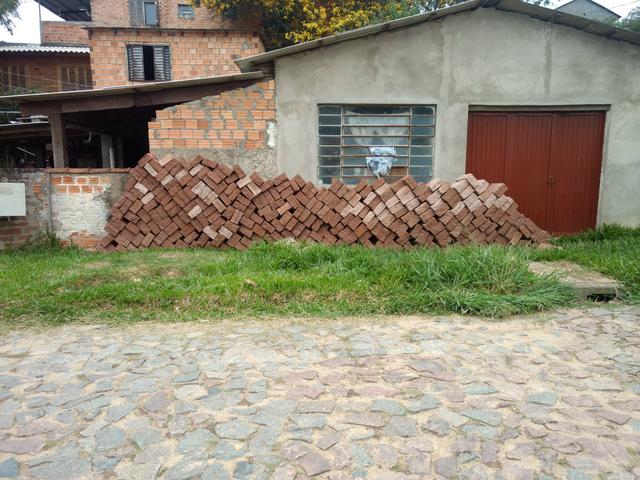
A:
(186, 11)
(75, 77)
(12, 76)
(366, 142)
(149, 63)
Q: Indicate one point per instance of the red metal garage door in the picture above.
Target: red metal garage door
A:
(549, 160)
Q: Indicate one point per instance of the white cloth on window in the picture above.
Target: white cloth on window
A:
(381, 157)
(381, 160)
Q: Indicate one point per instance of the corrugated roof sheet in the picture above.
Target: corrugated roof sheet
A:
(514, 6)
(75, 10)
(37, 48)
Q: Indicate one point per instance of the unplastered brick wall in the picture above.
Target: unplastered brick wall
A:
(71, 203)
(116, 13)
(197, 53)
(16, 231)
(64, 33)
(110, 12)
(80, 202)
(235, 126)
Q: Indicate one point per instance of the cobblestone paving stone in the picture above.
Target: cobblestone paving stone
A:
(548, 396)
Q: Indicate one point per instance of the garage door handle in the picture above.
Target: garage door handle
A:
(551, 180)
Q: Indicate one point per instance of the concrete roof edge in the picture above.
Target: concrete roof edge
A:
(251, 63)
(137, 88)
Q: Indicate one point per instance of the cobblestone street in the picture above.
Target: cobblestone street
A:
(548, 396)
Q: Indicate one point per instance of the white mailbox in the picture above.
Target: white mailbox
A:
(12, 200)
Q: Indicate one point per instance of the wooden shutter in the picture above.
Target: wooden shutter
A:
(136, 12)
(162, 63)
(135, 60)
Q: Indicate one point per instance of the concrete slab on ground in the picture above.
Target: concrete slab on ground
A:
(587, 283)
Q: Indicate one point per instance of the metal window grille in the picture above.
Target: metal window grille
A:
(351, 136)
(186, 11)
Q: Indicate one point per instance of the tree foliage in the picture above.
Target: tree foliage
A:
(8, 107)
(293, 21)
(631, 21)
(8, 11)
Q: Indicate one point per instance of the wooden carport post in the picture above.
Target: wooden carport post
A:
(59, 140)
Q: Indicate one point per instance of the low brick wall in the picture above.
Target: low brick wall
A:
(16, 231)
(71, 203)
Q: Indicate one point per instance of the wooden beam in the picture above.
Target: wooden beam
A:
(128, 99)
(59, 141)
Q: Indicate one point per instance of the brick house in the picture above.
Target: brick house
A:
(135, 41)
(122, 43)
(60, 62)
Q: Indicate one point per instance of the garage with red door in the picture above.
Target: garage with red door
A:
(549, 160)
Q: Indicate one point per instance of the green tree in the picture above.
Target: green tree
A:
(631, 21)
(293, 21)
(8, 11)
(8, 108)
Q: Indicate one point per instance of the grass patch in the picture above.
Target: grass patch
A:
(54, 286)
(611, 249)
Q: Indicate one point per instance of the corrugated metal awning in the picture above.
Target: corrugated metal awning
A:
(75, 10)
(37, 48)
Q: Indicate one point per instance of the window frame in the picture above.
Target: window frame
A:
(18, 72)
(167, 64)
(145, 3)
(79, 71)
(337, 152)
(189, 16)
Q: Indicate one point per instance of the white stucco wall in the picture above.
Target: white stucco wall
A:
(483, 57)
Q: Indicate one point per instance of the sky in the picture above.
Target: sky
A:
(27, 29)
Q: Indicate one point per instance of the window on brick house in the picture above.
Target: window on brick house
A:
(74, 77)
(149, 63)
(186, 11)
(150, 13)
(364, 142)
(144, 12)
(12, 76)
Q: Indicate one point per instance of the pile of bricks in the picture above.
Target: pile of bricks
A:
(172, 202)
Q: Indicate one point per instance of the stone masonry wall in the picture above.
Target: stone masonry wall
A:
(72, 203)
(64, 33)
(236, 126)
(197, 53)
